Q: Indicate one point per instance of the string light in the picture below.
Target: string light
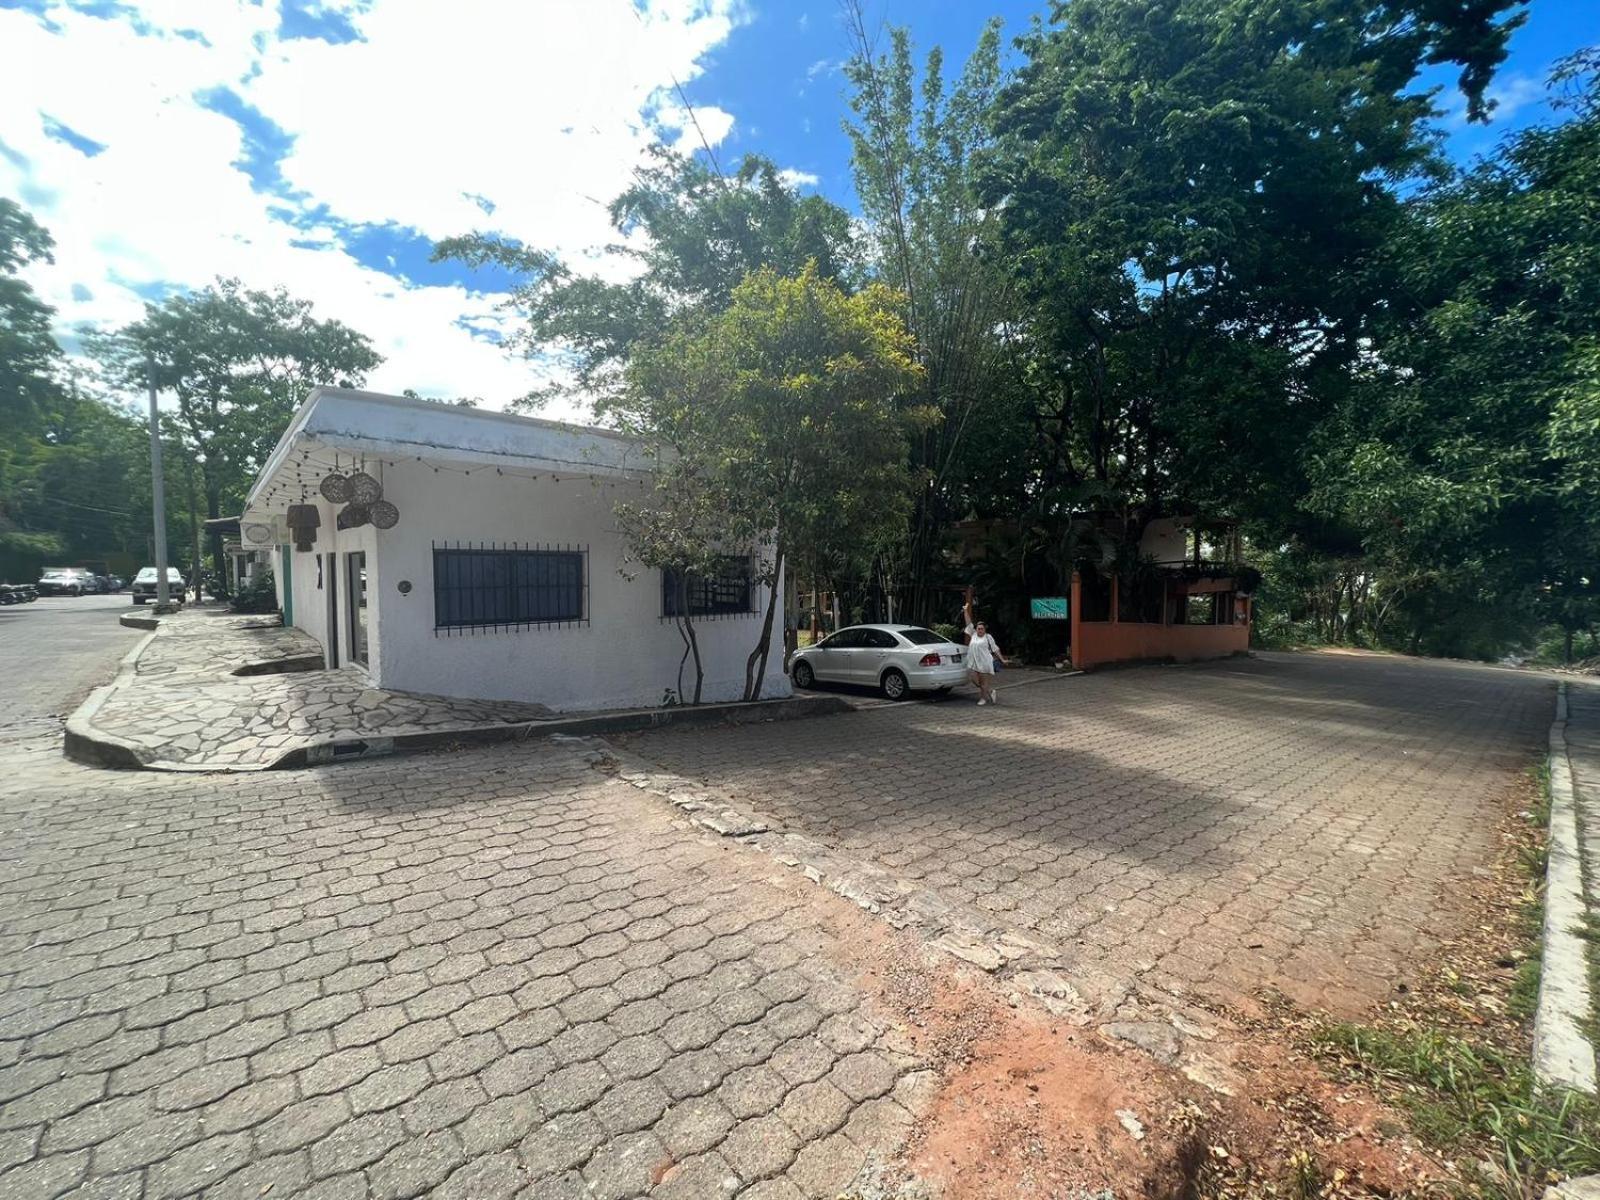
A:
(293, 476)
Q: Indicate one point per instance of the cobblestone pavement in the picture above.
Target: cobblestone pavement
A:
(182, 705)
(1292, 819)
(474, 975)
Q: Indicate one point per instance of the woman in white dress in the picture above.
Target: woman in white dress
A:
(983, 652)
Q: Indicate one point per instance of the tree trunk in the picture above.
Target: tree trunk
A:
(687, 618)
(699, 668)
(1566, 646)
(214, 510)
(197, 530)
(754, 674)
(683, 660)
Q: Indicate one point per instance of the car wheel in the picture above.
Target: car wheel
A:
(894, 685)
(804, 676)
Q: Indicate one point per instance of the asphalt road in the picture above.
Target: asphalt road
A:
(52, 653)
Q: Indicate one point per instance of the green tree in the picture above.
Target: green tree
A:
(916, 144)
(74, 481)
(692, 234)
(29, 355)
(682, 528)
(237, 361)
(783, 412)
(1470, 445)
(1196, 200)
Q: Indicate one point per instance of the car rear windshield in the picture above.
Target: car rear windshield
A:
(921, 637)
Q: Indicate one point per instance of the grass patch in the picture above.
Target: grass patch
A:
(1472, 1100)
(1523, 1000)
(1534, 855)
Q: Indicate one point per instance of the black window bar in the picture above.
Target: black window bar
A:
(728, 593)
(492, 586)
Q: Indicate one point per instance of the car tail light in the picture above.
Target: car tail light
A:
(929, 660)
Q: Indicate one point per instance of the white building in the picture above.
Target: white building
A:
(504, 575)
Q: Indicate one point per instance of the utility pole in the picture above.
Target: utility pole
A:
(158, 497)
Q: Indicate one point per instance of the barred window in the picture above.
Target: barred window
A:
(726, 592)
(486, 586)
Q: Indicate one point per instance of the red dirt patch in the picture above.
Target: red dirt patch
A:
(1031, 1105)
(1034, 1113)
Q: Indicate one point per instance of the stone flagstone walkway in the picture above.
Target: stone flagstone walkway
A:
(177, 702)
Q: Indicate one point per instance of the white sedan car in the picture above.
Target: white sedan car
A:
(895, 659)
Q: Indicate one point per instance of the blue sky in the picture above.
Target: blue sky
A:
(324, 145)
(778, 73)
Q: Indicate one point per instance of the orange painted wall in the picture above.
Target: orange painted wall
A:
(1096, 643)
(1101, 642)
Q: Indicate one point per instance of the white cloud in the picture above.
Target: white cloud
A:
(1513, 93)
(542, 110)
(794, 178)
(1509, 94)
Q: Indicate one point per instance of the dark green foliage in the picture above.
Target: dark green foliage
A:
(1462, 1095)
(1467, 453)
(256, 596)
(238, 362)
(696, 235)
(916, 143)
(28, 351)
(1196, 197)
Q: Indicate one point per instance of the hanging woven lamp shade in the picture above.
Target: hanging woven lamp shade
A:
(384, 514)
(364, 489)
(353, 516)
(335, 488)
(303, 516)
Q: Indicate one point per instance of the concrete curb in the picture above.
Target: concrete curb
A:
(737, 712)
(136, 621)
(96, 748)
(84, 743)
(1562, 1054)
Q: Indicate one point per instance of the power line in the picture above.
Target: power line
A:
(115, 512)
(705, 144)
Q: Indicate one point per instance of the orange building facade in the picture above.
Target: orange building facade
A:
(1181, 608)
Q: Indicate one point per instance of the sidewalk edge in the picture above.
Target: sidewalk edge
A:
(94, 747)
(1562, 1054)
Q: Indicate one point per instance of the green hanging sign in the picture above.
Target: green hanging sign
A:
(1049, 608)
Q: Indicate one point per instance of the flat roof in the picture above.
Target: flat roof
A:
(382, 428)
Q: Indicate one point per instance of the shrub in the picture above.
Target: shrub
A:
(256, 596)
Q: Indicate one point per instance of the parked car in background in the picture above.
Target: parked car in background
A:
(18, 593)
(116, 582)
(895, 659)
(66, 581)
(144, 585)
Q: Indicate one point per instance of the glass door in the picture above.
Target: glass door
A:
(356, 591)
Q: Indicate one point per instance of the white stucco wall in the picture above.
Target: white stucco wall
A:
(626, 656)
(311, 602)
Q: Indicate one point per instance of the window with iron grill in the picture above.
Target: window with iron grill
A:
(724, 593)
(480, 587)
